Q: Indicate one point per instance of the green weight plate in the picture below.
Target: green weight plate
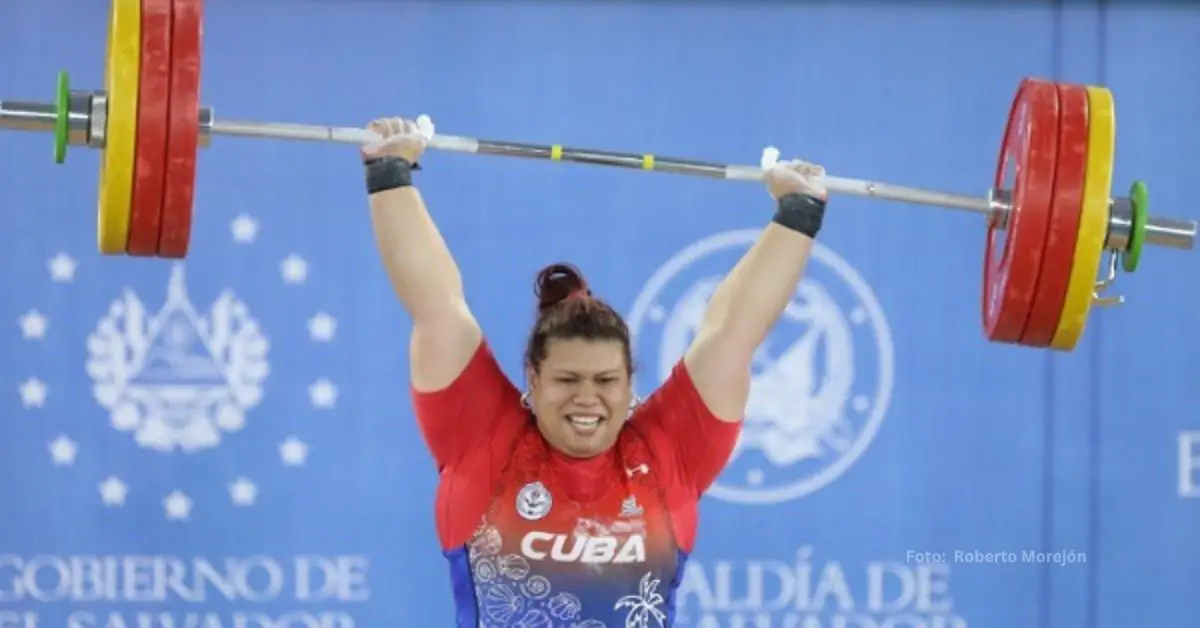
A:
(62, 113)
(1138, 198)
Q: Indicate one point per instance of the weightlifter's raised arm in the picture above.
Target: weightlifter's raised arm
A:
(750, 299)
(455, 380)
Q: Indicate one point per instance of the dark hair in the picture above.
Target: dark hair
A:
(567, 309)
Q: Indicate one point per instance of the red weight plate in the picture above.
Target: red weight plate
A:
(1025, 170)
(1064, 218)
(183, 137)
(154, 86)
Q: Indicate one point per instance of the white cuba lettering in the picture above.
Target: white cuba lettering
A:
(584, 549)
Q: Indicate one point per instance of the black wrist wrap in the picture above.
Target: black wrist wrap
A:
(387, 173)
(801, 212)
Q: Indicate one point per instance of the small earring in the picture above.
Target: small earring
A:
(525, 400)
(633, 403)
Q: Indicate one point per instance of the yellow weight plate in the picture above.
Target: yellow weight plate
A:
(116, 162)
(1093, 221)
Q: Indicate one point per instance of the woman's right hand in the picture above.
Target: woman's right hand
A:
(406, 139)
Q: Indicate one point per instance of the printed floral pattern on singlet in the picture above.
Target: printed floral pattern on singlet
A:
(550, 562)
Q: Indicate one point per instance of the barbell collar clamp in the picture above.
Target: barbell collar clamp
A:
(1102, 286)
(87, 117)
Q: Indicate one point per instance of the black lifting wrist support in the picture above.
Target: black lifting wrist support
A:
(801, 212)
(387, 173)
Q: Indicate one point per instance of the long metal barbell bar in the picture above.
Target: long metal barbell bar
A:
(86, 126)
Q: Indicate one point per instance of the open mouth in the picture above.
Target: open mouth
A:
(585, 423)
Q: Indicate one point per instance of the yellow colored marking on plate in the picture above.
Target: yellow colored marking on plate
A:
(1093, 221)
(117, 161)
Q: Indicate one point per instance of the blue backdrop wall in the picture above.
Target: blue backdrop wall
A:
(280, 480)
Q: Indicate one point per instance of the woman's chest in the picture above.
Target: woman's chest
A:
(545, 516)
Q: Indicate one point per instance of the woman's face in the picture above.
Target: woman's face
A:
(581, 395)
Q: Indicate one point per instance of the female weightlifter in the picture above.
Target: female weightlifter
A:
(571, 504)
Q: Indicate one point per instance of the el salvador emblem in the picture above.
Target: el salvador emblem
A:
(821, 382)
(177, 379)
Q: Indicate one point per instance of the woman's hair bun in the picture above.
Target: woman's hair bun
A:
(557, 282)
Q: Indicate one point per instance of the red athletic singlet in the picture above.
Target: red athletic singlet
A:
(537, 540)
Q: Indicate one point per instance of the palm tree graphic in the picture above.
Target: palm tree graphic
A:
(644, 606)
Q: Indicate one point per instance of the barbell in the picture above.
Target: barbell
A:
(1049, 211)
